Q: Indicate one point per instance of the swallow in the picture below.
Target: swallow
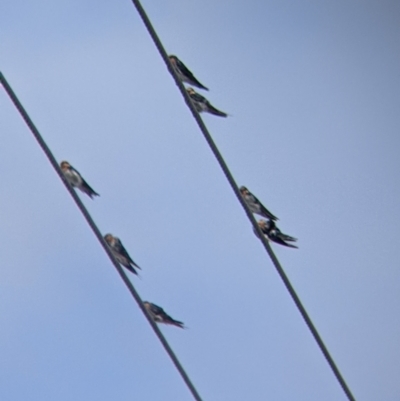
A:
(76, 180)
(273, 233)
(202, 104)
(184, 74)
(255, 205)
(158, 315)
(120, 253)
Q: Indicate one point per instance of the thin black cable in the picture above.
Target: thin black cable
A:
(97, 233)
(235, 188)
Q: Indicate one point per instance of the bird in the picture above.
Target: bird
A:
(120, 253)
(202, 104)
(273, 233)
(255, 205)
(158, 315)
(76, 180)
(184, 74)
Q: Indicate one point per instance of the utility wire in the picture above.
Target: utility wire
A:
(235, 189)
(97, 233)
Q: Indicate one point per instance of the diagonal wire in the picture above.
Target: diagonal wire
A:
(99, 236)
(235, 189)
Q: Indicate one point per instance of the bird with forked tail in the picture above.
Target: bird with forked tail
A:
(120, 253)
(76, 180)
(202, 104)
(274, 234)
(184, 74)
(160, 316)
(255, 205)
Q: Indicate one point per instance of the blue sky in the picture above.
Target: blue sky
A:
(313, 91)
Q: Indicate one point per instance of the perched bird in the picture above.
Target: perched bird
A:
(158, 315)
(184, 74)
(255, 205)
(120, 253)
(273, 233)
(202, 104)
(76, 180)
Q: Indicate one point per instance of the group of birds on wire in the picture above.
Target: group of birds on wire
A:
(76, 180)
(268, 227)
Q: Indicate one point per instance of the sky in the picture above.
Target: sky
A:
(313, 91)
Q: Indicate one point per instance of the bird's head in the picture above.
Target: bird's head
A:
(108, 238)
(243, 190)
(64, 165)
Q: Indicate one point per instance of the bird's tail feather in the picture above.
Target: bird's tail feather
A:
(288, 238)
(177, 323)
(216, 112)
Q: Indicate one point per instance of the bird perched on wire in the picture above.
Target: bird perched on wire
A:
(120, 253)
(158, 315)
(273, 233)
(184, 74)
(202, 104)
(255, 205)
(76, 180)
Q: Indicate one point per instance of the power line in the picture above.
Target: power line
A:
(98, 234)
(235, 189)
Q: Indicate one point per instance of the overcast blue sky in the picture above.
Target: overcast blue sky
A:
(313, 91)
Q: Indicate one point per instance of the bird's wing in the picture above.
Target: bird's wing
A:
(189, 75)
(88, 189)
(266, 213)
